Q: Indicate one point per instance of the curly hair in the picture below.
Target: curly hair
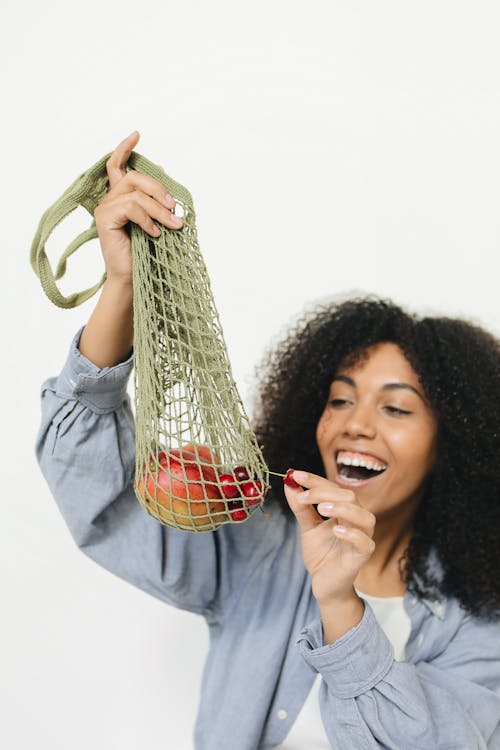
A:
(458, 365)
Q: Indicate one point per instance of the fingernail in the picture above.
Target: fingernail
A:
(177, 221)
(340, 529)
(300, 476)
(325, 507)
(303, 496)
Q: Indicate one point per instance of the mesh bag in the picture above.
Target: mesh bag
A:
(198, 463)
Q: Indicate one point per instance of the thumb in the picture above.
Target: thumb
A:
(116, 166)
(306, 515)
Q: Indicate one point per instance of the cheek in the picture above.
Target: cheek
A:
(416, 452)
(322, 429)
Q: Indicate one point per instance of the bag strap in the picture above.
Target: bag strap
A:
(87, 191)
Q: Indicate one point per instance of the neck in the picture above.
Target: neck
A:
(392, 535)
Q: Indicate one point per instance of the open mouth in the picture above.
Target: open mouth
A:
(356, 468)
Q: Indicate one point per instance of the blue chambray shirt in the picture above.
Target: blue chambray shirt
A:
(249, 583)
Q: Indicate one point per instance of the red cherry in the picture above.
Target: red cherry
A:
(239, 514)
(289, 480)
(241, 473)
(252, 491)
(229, 488)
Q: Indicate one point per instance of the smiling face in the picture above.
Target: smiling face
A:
(377, 434)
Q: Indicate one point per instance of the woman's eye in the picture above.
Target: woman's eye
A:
(395, 410)
(338, 401)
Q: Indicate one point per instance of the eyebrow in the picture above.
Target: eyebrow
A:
(386, 387)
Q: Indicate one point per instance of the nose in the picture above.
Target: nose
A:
(360, 422)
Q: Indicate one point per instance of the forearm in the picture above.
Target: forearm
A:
(108, 337)
(413, 703)
(340, 616)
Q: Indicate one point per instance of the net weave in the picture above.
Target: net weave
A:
(198, 464)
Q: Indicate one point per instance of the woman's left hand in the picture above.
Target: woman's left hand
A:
(332, 557)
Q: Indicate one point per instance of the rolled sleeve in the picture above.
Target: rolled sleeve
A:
(102, 390)
(356, 662)
(370, 701)
(86, 450)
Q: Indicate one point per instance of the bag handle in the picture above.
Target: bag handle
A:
(87, 191)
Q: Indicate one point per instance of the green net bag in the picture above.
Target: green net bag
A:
(198, 464)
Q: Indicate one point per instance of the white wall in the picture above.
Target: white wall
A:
(328, 146)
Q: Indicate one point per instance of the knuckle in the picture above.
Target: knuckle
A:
(371, 518)
(131, 198)
(347, 495)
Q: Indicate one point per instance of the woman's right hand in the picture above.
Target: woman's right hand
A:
(133, 196)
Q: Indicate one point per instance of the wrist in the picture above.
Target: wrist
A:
(340, 615)
(123, 283)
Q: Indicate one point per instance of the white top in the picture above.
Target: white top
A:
(307, 730)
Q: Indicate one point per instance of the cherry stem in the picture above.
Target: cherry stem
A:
(277, 475)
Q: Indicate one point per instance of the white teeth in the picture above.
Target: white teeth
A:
(366, 463)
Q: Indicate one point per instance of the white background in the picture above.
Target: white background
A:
(329, 147)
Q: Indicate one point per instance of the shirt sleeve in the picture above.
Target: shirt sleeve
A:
(85, 448)
(370, 701)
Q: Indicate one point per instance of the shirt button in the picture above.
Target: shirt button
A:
(282, 714)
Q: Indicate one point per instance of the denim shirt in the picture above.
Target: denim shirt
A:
(249, 583)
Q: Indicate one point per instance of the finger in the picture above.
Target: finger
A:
(350, 515)
(362, 543)
(146, 184)
(143, 211)
(321, 489)
(156, 210)
(137, 214)
(314, 481)
(117, 162)
(306, 516)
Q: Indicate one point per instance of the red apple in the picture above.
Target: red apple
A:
(203, 453)
(183, 490)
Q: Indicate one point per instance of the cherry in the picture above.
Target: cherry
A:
(252, 491)
(241, 473)
(289, 480)
(229, 488)
(237, 515)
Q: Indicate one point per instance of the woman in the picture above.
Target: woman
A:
(374, 581)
